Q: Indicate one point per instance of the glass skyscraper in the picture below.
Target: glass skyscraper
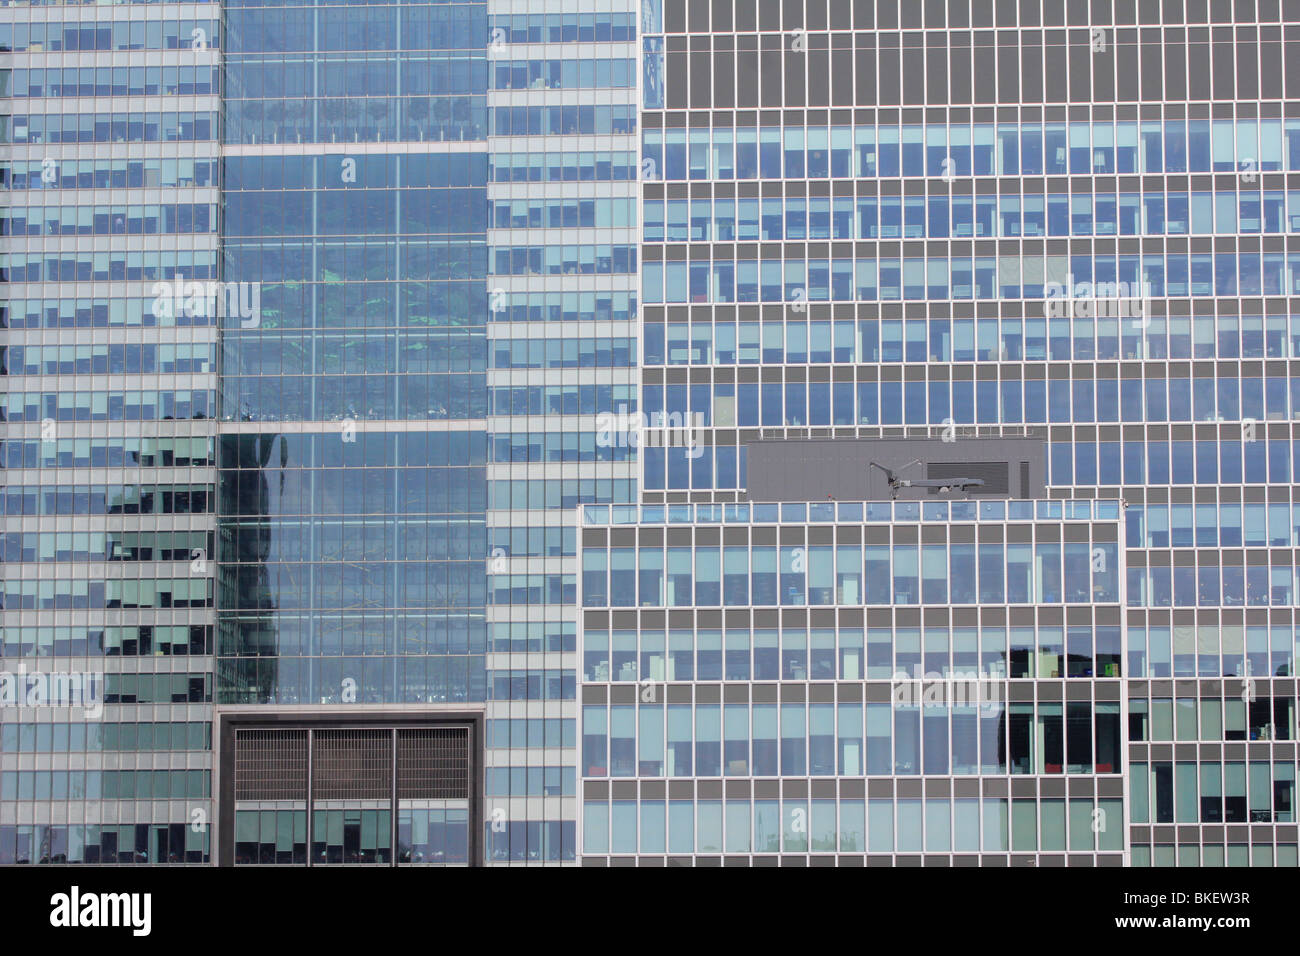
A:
(406, 374)
(878, 220)
(562, 349)
(110, 169)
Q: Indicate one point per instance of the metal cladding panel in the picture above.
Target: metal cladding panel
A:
(815, 470)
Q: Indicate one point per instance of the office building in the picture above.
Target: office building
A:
(110, 170)
(1070, 222)
(537, 432)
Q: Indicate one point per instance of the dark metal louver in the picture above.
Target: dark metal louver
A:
(271, 765)
(433, 764)
(352, 765)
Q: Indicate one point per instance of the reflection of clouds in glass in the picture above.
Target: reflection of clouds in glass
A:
(653, 73)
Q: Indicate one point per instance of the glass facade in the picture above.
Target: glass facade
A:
(352, 458)
(110, 172)
(407, 355)
(352, 484)
(946, 220)
(562, 350)
(760, 674)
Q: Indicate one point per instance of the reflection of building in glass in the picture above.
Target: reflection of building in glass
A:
(347, 583)
(249, 670)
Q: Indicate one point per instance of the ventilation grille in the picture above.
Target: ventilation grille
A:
(352, 765)
(271, 765)
(996, 475)
(433, 764)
